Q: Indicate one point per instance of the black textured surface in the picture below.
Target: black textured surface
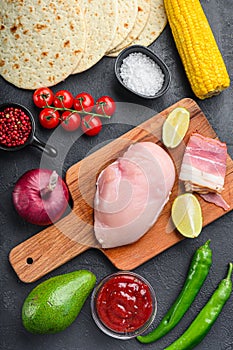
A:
(167, 271)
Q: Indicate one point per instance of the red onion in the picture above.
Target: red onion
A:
(40, 196)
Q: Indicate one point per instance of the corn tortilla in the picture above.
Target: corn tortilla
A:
(140, 23)
(101, 18)
(127, 13)
(155, 25)
(42, 41)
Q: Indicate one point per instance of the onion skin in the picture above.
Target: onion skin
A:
(29, 203)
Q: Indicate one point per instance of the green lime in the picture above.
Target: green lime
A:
(175, 127)
(187, 215)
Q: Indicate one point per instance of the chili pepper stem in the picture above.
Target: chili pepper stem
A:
(229, 271)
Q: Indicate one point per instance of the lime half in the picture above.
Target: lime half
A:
(175, 127)
(187, 215)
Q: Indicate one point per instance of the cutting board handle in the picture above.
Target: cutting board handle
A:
(52, 247)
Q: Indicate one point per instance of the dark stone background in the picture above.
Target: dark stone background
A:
(167, 271)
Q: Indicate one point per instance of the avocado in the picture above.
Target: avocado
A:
(55, 303)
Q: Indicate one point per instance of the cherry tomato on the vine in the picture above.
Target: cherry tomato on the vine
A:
(105, 105)
(43, 97)
(84, 101)
(63, 99)
(91, 125)
(49, 118)
(70, 121)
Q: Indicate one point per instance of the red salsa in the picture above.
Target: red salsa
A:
(124, 303)
(15, 127)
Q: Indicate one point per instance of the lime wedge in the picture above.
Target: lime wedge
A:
(175, 127)
(187, 215)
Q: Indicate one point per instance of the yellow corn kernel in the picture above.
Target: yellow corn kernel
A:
(195, 42)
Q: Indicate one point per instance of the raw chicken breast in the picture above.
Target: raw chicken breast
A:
(131, 193)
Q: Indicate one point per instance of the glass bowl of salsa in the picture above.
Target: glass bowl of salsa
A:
(123, 305)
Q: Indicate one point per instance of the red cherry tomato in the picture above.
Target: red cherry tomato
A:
(70, 121)
(49, 118)
(91, 126)
(105, 105)
(84, 101)
(43, 97)
(63, 99)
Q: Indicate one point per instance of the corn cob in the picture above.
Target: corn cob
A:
(195, 42)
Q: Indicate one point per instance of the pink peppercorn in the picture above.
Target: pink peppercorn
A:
(15, 127)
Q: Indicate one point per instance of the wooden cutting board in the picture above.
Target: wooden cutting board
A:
(74, 234)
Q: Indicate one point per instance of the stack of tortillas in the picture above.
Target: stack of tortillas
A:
(42, 42)
(149, 23)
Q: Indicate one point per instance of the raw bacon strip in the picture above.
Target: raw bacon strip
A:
(217, 199)
(203, 167)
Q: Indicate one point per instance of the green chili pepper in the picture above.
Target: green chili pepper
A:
(198, 271)
(206, 318)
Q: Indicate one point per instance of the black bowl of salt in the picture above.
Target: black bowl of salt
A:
(140, 71)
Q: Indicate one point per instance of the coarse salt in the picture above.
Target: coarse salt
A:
(141, 74)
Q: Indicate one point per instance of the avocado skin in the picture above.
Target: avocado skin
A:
(55, 303)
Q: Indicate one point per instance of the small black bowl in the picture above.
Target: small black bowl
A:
(32, 138)
(144, 50)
